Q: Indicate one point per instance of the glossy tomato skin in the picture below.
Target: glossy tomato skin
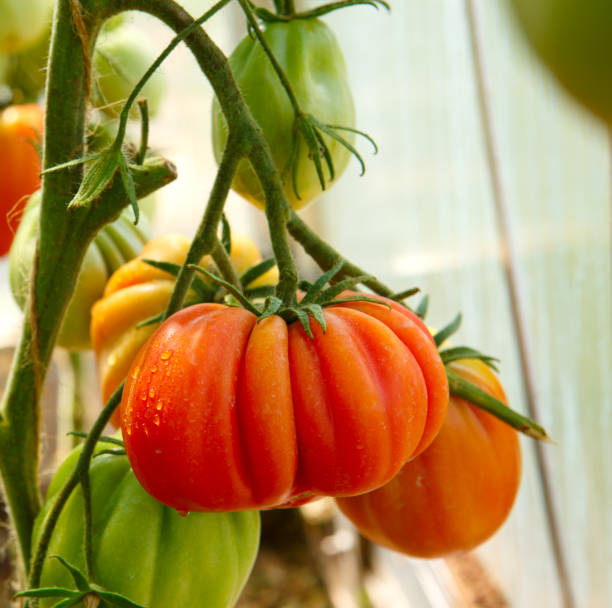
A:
(114, 245)
(136, 292)
(145, 550)
(575, 41)
(458, 492)
(20, 131)
(221, 412)
(310, 56)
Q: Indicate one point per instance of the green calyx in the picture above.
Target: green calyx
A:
(464, 389)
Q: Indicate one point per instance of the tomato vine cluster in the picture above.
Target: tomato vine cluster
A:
(237, 387)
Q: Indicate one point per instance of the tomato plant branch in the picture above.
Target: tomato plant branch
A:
(224, 264)
(326, 256)
(215, 66)
(71, 483)
(252, 21)
(205, 240)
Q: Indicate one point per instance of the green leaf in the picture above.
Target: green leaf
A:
(80, 579)
(168, 267)
(304, 320)
(448, 330)
(317, 286)
(317, 312)
(407, 293)
(72, 163)
(43, 592)
(358, 298)
(254, 272)
(465, 352)
(203, 289)
(421, 309)
(308, 133)
(128, 185)
(329, 131)
(97, 177)
(466, 390)
(116, 599)
(326, 154)
(331, 292)
(244, 301)
(271, 307)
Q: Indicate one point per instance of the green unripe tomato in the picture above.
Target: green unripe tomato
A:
(574, 39)
(121, 57)
(310, 56)
(113, 246)
(145, 550)
(22, 23)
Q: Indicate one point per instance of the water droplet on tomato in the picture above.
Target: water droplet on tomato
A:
(156, 420)
(165, 355)
(153, 369)
(152, 393)
(159, 406)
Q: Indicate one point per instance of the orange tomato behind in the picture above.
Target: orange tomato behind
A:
(458, 492)
(20, 132)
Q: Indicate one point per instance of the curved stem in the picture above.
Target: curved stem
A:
(224, 265)
(205, 238)
(326, 256)
(125, 111)
(252, 21)
(71, 483)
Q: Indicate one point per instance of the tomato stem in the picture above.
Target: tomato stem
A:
(205, 239)
(466, 390)
(71, 483)
(252, 22)
(326, 256)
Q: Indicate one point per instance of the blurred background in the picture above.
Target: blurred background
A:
(491, 192)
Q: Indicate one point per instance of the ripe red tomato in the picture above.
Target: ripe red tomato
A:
(458, 492)
(20, 130)
(221, 412)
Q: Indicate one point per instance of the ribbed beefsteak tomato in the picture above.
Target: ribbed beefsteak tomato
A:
(458, 492)
(222, 412)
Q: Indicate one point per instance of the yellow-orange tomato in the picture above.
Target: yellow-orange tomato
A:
(458, 492)
(20, 131)
(138, 291)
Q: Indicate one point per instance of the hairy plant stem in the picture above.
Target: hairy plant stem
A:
(252, 21)
(225, 266)
(58, 255)
(205, 239)
(326, 256)
(71, 483)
